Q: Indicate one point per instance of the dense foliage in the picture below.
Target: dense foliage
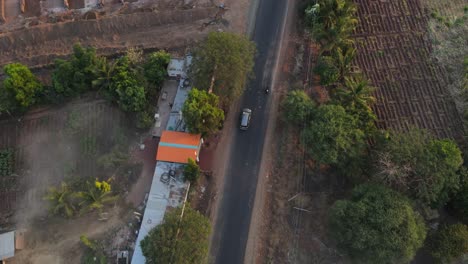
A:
(459, 201)
(298, 107)
(178, 239)
(76, 75)
(201, 112)
(331, 22)
(224, 61)
(155, 68)
(377, 225)
(333, 136)
(355, 95)
(21, 86)
(423, 167)
(449, 243)
(191, 171)
(126, 87)
(6, 162)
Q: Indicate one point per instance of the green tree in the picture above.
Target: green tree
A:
(377, 225)
(419, 165)
(191, 171)
(448, 243)
(76, 75)
(104, 73)
(21, 84)
(356, 93)
(201, 112)
(156, 67)
(335, 67)
(178, 239)
(298, 107)
(331, 22)
(333, 136)
(459, 201)
(224, 61)
(327, 70)
(62, 200)
(127, 88)
(96, 196)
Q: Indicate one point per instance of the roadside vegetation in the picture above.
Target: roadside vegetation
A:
(183, 237)
(398, 181)
(222, 64)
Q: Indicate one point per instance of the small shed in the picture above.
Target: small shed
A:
(178, 147)
(7, 245)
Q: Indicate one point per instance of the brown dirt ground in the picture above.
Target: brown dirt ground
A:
(49, 148)
(153, 24)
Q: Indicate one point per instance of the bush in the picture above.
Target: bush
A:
(21, 84)
(6, 162)
(191, 171)
(144, 120)
(298, 107)
(326, 69)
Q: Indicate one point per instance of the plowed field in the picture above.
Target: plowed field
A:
(394, 51)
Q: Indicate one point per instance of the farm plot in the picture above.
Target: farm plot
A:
(86, 139)
(395, 53)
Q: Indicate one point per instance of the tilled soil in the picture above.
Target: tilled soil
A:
(40, 45)
(395, 53)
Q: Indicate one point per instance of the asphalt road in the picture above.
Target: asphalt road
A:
(235, 209)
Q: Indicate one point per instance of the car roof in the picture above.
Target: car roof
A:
(247, 110)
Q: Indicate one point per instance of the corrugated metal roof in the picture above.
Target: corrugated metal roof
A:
(166, 192)
(7, 245)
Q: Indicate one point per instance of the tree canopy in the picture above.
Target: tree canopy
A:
(20, 84)
(178, 240)
(377, 225)
(459, 201)
(298, 107)
(76, 75)
(228, 59)
(448, 243)
(201, 112)
(333, 136)
(332, 21)
(423, 167)
(155, 67)
(127, 88)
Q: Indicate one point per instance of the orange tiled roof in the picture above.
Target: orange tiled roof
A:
(178, 146)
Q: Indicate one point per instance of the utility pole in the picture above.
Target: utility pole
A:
(178, 228)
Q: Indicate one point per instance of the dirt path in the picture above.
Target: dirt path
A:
(49, 244)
